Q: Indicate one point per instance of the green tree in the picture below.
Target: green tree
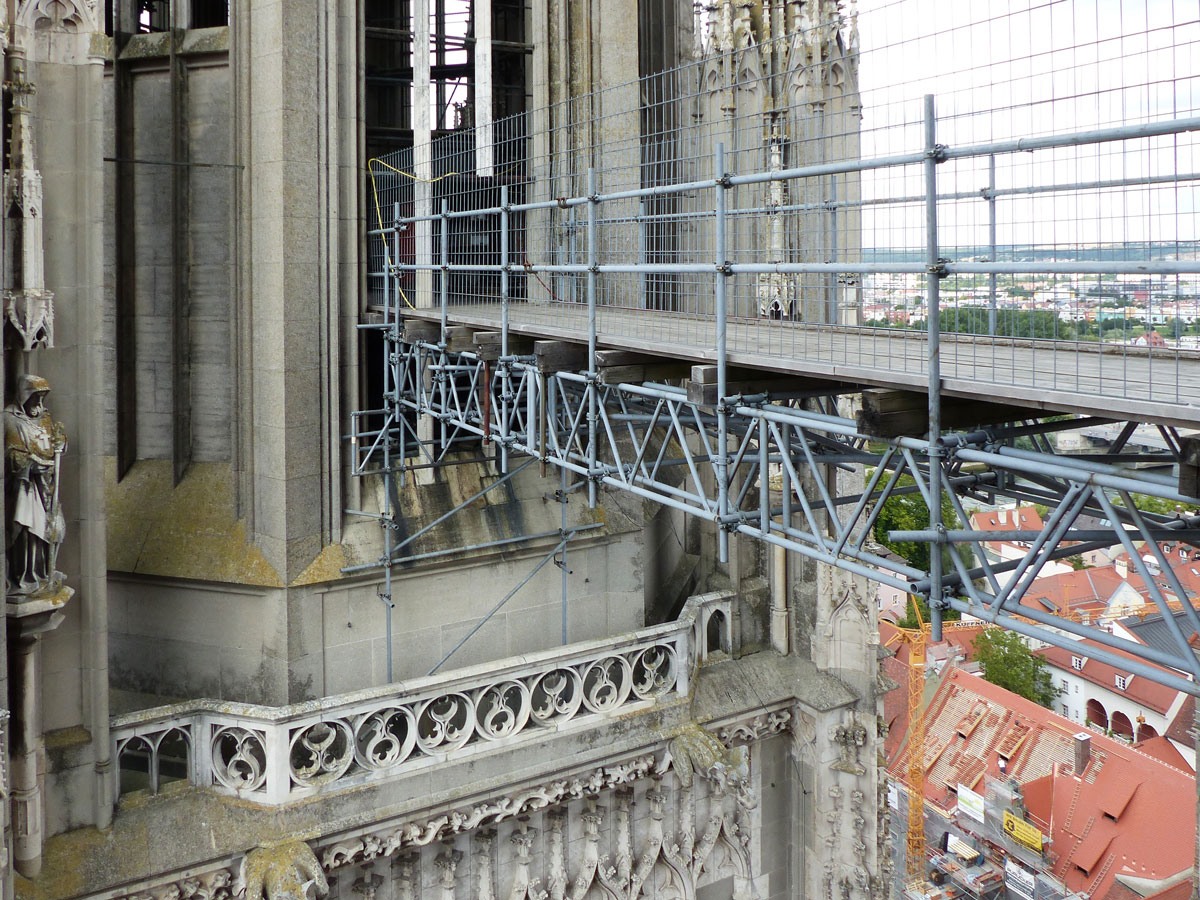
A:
(1043, 324)
(910, 618)
(908, 512)
(1007, 662)
(1147, 503)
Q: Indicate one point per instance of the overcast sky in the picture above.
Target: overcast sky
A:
(1013, 68)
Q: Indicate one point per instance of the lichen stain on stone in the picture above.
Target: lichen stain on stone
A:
(327, 566)
(187, 530)
(206, 40)
(63, 873)
(61, 738)
(100, 45)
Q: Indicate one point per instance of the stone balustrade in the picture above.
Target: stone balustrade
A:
(275, 755)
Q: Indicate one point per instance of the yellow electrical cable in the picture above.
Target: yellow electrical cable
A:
(387, 254)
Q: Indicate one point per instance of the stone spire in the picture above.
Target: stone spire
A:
(28, 306)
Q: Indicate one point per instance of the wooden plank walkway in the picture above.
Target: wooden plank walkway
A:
(1059, 376)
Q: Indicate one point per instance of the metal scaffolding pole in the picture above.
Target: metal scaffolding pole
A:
(991, 199)
(495, 609)
(502, 365)
(440, 519)
(701, 459)
(933, 315)
(721, 273)
(591, 311)
(445, 268)
(562, 499)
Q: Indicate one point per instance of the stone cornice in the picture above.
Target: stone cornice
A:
(391, 837)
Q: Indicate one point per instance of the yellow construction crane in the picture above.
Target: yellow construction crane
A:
(917, 639)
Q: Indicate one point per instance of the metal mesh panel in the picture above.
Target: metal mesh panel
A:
(1070, 265)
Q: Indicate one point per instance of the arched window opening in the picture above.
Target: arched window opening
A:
(133, 764)
(1096, 714)
(717, 633)
(1121, 726)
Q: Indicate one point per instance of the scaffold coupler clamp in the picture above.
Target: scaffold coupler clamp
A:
(731, 523)
(942, 601)
(558, 554)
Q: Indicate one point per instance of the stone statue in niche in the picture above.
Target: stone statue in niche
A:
(33, 447)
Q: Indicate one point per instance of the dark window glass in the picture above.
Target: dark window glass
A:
(210, 13)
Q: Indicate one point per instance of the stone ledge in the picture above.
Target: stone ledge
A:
(197, 830)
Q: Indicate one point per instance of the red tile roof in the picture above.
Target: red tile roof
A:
(969, 721)
(1083, 590)
(1139, 689)
(1162, 749)
(1147, 839)
(1187, 569)
(959, 640)
(1023, 518)
(1180, 729)
(1151, 339)
(1181, 891)
(895, 705)
(1120, 892)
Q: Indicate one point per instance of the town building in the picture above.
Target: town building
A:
(1051, 809)
(1117, 702)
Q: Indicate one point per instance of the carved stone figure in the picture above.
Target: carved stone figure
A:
(283, 872)
(694, 750)
(33, 447)
(850, 738)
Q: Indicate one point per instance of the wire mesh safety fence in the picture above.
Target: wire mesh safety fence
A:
(1066, 211)
(792, 201)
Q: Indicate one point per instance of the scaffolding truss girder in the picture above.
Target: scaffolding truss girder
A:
(649, 440)
(766, 465)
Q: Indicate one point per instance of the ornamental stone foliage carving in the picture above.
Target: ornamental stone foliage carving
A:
(218, 885)
(628, 830)
(762, 726)
(850, 739)
(283, 871)
(622, 833)
(420, 834)
(33, 447)
(30, 316)
(67, 16)
(855, 863)
(5, 721)
(327, 750)
(22, 187)
(239, 758)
